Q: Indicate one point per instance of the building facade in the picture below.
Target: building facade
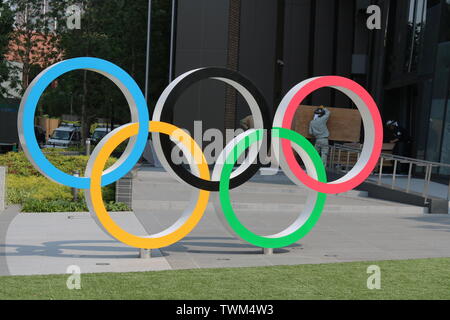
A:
(405, 65)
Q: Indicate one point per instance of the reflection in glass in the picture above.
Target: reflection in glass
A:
(416, 26)
(439, 103)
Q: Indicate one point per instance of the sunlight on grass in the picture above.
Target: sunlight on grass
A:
(413, 279)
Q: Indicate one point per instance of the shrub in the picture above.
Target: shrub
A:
(20, 189)
(27, 187)
(18, 163)
(33, 205)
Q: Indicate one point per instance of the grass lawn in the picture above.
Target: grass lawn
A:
(413, 279)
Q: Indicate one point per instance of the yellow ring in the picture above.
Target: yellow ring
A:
(96, 191)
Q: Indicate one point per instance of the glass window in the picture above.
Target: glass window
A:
(98, 135)
(61, 135)
(416, 27)
(445, 158)
(445, 25)
(439, 103)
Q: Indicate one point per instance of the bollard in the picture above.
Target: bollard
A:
(75, 190)
(88, 147)
(267, 251)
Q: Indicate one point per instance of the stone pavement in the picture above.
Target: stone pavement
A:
(6, 217)
(352, 228)
(48, 243)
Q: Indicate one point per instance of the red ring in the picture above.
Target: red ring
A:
(333, 81)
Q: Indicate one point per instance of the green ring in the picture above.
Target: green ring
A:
(224, 191)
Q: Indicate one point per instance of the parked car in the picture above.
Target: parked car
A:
(65, 136)
(98, 134)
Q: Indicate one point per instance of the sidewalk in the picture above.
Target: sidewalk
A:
(48, 243)
(352, 228)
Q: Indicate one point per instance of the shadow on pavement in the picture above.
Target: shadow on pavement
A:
(433, 222)
(187, 243)
(57, 248)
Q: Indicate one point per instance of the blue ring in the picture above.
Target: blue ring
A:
(29, 109)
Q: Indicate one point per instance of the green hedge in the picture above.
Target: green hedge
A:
(33, 205)
(27, 187)
(19, 164)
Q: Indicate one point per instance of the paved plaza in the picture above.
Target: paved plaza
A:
(352, 228)
(49, 243)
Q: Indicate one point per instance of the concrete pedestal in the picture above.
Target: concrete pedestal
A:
(145, 253)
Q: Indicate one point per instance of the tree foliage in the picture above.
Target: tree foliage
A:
(114, 30)
(32, 45)
(6, 28)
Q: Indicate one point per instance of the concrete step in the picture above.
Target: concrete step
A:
(155, 181)
(255, 196)
(247, 193)
(281, 207)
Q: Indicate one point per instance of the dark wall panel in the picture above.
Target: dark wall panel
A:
(344, 47)
(202, 33)
(8, 127)
(257, 48)
(297, 40)
(318, 40)
(324, 41)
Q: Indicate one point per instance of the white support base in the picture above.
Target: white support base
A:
(145, 253)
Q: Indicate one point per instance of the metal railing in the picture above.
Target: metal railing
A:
(348, 154)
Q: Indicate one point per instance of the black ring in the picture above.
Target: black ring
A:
(167, 116)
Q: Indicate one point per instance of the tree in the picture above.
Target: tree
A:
(6, 28)
(93, 93)
(114, 30)
(32, 44)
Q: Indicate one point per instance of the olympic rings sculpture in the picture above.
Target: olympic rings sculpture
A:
(223, 177)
